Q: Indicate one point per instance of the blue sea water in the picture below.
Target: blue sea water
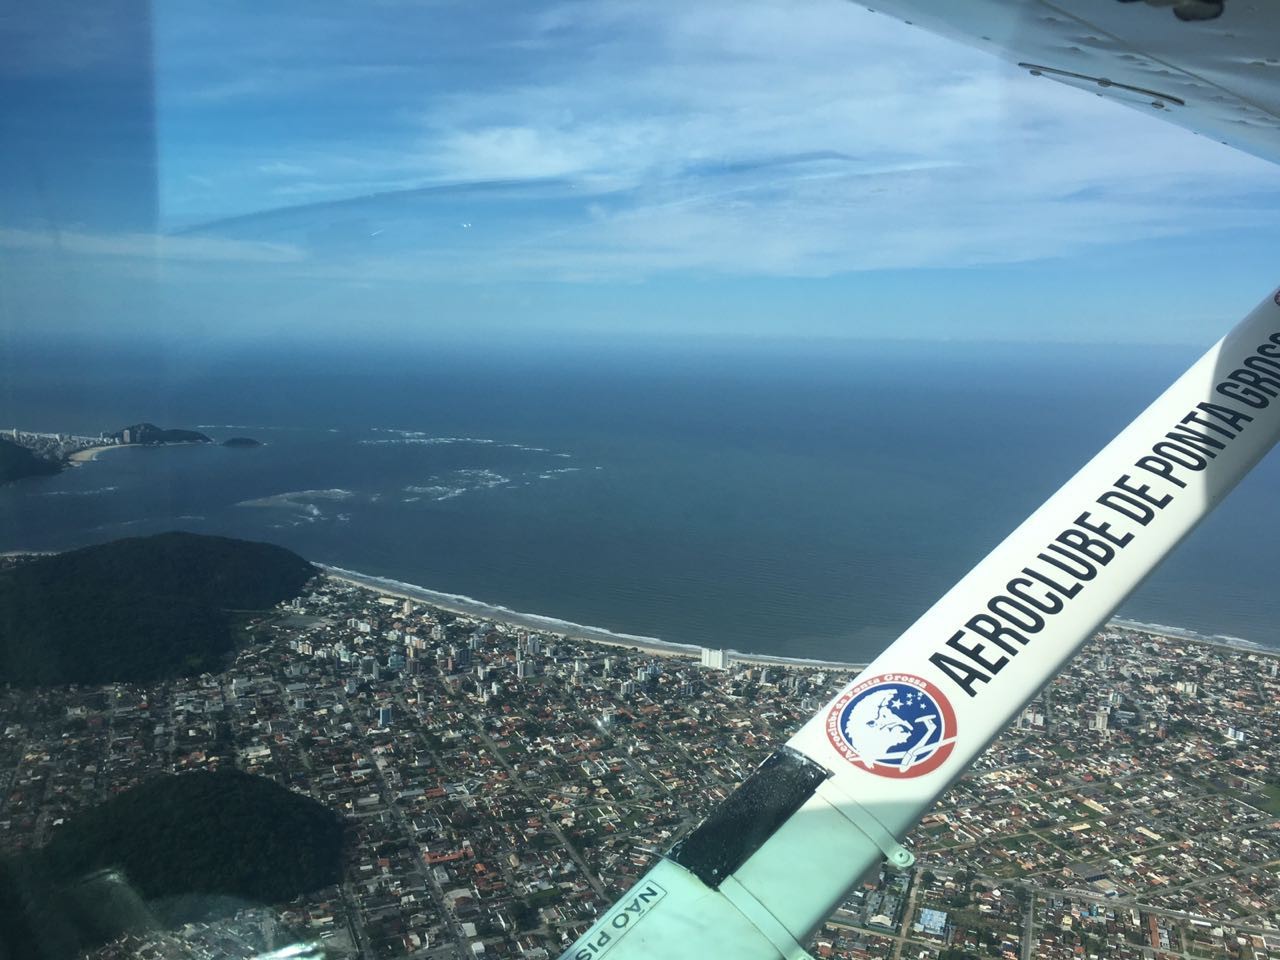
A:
(798, 499)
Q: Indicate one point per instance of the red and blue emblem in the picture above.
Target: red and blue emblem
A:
(893, 725)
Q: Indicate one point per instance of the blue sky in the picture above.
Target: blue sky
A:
(435, 170)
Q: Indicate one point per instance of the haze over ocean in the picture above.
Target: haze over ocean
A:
(805, 499)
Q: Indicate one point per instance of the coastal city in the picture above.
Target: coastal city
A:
(886, 396)
(502, 786)
(57, 447)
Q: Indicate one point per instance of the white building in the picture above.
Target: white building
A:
(715, 659)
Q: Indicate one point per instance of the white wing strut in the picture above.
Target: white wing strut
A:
(759, 876)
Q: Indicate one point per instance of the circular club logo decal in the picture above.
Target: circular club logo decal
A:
(894, 725)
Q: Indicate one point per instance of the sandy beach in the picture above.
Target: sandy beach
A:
(475, 608)
(91, 453)
(1179, 634)
(469, 606)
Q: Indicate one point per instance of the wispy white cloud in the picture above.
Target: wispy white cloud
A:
(422, 163)
(632, 90)
(279, 168)
(772, 138)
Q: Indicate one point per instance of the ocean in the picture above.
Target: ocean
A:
(800, 499)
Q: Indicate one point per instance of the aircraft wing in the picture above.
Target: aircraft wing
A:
(1207, 65)
(758, 877)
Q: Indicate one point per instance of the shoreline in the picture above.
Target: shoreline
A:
(469, 606)
(89, 454)
(1183, 634)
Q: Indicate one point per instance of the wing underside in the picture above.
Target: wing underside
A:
(1212, 67)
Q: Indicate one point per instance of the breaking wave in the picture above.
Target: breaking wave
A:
(242, 426)
(448, 486)
(495, 611)
(303, 503)
(421, 438)
(297, 497)
(492, 611)
(457, 482)
(1182, 633)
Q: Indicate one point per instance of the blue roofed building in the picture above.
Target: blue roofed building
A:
(933, 922)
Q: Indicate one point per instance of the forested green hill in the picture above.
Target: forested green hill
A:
(137, 610)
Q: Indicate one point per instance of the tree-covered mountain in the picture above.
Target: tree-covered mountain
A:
(150, 433)
(16, 462)
(173, 850)
(138, 610)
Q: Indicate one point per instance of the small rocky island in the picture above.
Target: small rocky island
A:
(241, 442)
